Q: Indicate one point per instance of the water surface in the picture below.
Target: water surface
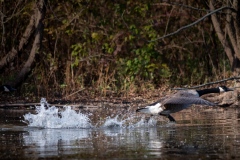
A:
(200, 133)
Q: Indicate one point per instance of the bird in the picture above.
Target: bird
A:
(7, 88)
(179, 101)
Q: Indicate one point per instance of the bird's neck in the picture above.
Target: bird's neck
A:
(206, 91)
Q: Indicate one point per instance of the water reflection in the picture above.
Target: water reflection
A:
(52, 141)
(79, 142)
(199, 134)
(158, 142)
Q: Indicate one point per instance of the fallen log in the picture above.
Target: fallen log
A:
(4, 105)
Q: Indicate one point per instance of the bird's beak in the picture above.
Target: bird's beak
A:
(230, 89)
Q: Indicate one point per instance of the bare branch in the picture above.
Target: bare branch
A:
(236, 24)
(39, 9)
(179, 4)
(231, 30)
(210, 83)
(79, 105)
(74, 93)
(221, 36)
(3, 28)
(23, 41)
(166, 28)
(189, 25)
(14, 13)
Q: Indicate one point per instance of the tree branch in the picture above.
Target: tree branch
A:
(221, 36)
(39, 14)
(236, 23)
(189, 25)
(210, 83)
(23, 41)
(232, 35)
(168, 3)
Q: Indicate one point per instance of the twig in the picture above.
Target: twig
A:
(123, 19)
(74, 93)
(168, 20)
(210, 83)
(13, 13)
(3, 28)
(189, 25)
(181, 5)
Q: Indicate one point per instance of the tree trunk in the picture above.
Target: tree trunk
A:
(231, 46)
(39, 13)
(24, 40)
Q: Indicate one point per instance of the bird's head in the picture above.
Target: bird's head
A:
(224, 89)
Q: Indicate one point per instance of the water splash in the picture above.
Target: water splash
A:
(51, 117)
(113, 123)
(151, 122)
(130, 122)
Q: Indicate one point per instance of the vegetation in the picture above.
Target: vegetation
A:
(56, 48)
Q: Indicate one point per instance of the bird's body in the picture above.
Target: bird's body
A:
(152, 109)
(179, 101)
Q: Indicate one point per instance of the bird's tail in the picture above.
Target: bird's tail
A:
(143, 110)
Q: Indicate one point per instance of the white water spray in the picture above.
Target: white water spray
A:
(51, 117)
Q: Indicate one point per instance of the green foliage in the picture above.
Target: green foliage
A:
(144, 65)
(109, 45)
(78, 51)
(106, 47)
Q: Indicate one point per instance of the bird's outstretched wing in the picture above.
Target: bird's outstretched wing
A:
(186, 93)
(187, 100)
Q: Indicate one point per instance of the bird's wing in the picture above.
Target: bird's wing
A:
(187, 100)
(172, 108)
(181, 93)
(176, 104)
(186, 93)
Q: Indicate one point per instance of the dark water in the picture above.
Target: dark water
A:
(200, 133)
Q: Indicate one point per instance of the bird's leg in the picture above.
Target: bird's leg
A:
(170, 118)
